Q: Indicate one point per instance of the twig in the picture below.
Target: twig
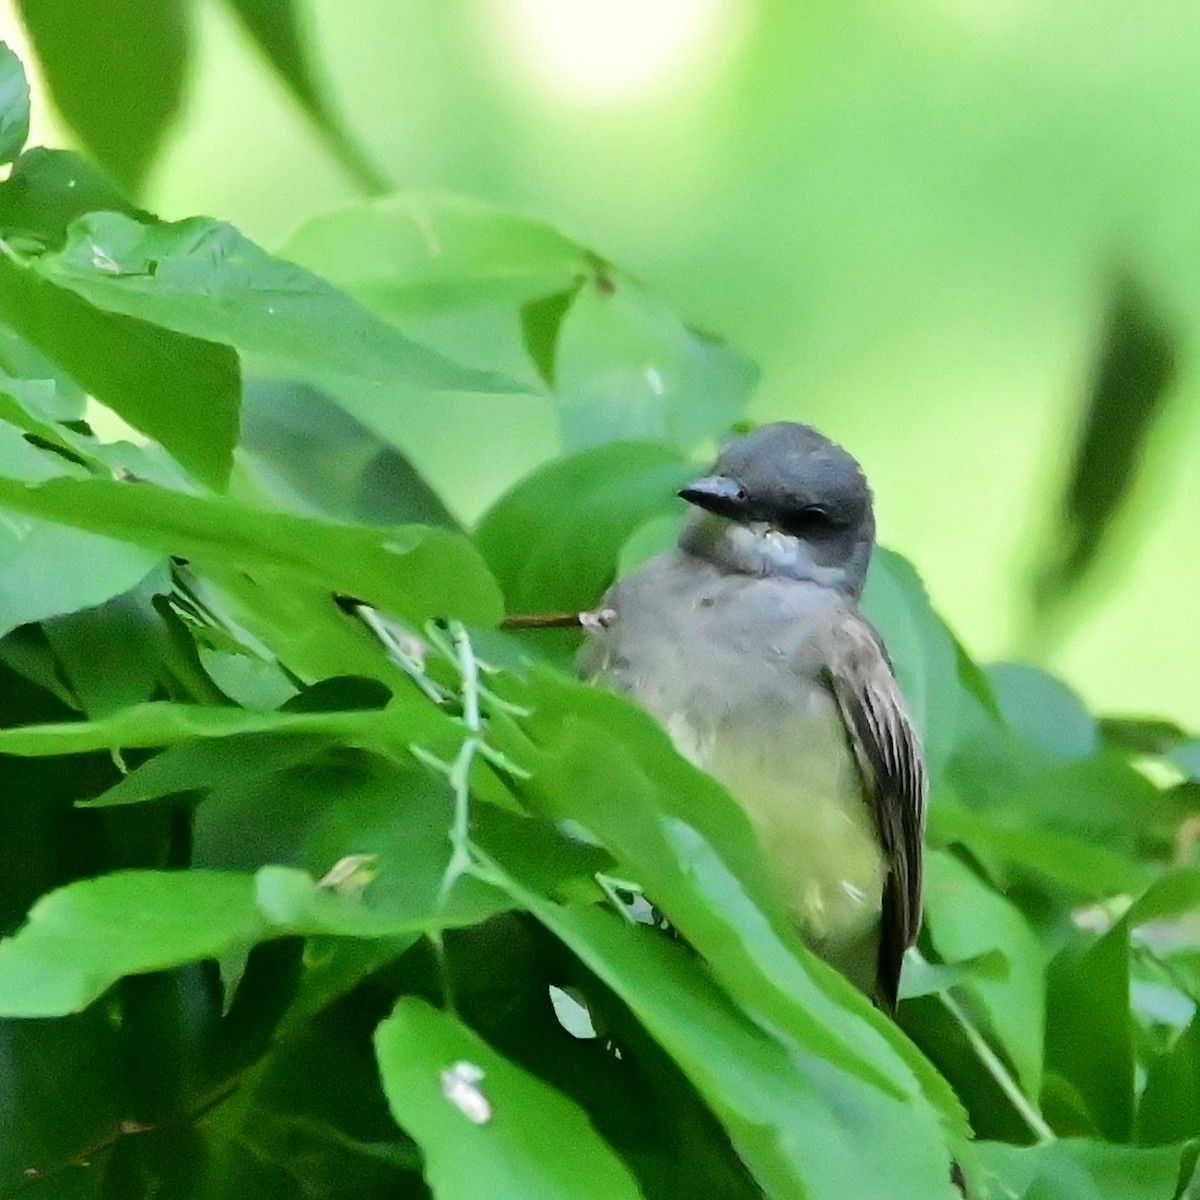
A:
(542, 621)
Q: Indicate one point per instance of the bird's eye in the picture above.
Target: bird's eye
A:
(809, 521)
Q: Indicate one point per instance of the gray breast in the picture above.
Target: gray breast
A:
(731, 665)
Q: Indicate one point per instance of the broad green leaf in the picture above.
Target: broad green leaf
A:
(293, 902)
(1089, 1032)
(111, 654)
(204, 279)
(922, 650)
(605, 765)
(50, 1116)
(1169, 1107)
(181, 391)
(14, 105)
(802, 1128)
(485, 1125)
(48, 189)
(967, 919)
(924, 978)
(273, 24)
(1043, 711)
(414, 253)
(1091, 870)
(311, 455)
(554, 540)
(1089, 983)
(391, 819)
(541, 324)
(628, 369)
(200, 764)
(81, 939)
(163, 723)
(414, 572)
(116, 72)
(33, 584)
(1080, 1170)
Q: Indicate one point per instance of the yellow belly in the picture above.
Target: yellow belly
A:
(803, 794)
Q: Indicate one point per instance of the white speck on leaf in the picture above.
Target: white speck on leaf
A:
(350, 874)
(655, 380)
(103, 262)
(460, 1085)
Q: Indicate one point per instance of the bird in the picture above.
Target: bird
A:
(746, 642)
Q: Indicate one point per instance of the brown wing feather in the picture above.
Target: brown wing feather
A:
(889, 756)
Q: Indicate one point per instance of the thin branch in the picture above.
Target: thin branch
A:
(542, 621)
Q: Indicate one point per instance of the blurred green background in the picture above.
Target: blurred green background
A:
(909, 214)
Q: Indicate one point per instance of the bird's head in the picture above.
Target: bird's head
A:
(784, 500)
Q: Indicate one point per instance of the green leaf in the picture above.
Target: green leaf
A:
(293, 902)
(47, 1117)
(1043, 711)
(800, 1127)
(111, 654)
(627, 369)
(1169, 1107)
(414, 572)
(1137, 364)
(162, 723)
(418, 253)
(204, 279)
(273, 26)
(1091, 870)
(116, 73)
(967, 919)
(33, 585)
(477, 1117)
(541, 324)
(920, 645)
(605, 765)
(14, 105)
(179, 390)
(1089, 987)
(48, 189)
(313, 456)
(1081, 1170)
(554, 540)
(203, 764)
(81, 939)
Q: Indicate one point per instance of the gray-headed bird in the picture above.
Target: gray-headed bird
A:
(746, 643)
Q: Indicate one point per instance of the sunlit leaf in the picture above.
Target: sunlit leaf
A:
(205, 279)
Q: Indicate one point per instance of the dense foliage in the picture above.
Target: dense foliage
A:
(320, 884)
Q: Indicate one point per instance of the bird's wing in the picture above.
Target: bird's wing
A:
(889, 756)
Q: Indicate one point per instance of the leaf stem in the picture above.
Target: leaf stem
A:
(999, 1072)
